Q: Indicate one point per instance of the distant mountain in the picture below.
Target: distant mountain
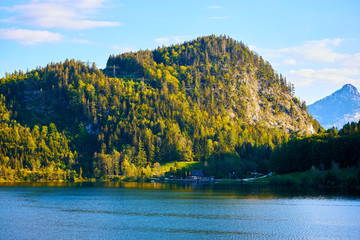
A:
(339, 108)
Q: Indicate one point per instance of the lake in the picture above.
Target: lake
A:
(174, 211)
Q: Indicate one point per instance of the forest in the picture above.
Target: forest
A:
(319, 150)
(330, 158)
(210, 100)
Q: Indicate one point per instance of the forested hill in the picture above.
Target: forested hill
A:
(222, 77)
(210, 99)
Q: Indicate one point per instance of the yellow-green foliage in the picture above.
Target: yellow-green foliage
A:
(174, 166)
(180, 103)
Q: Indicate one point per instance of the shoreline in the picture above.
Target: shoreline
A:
(297, 179)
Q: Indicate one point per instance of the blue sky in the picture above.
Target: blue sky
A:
(315, 44)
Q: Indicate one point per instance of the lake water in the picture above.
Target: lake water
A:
(168, 211)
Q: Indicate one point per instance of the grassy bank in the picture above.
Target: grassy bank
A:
(347, 178)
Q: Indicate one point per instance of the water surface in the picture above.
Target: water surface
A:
(170, 211)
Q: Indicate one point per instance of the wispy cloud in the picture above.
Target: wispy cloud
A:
(352, 61)
(320, 51)
(29, 37)
(82, 41)
(215, 7)
(162, 40)
(85, 4)
(172, 39)
(123, 49)
(64, 14)
(316, 62)
(289, 61)
(219, 17)
(306, 77)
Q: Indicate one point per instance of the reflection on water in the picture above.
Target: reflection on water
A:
(169, 211)
(249, 191)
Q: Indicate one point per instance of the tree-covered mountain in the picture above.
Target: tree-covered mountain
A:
(223, 77)
(337, 109)
(210, 100)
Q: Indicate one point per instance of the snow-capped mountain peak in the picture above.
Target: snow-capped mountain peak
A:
(337, 109)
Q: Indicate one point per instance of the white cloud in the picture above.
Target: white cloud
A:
(335, 76)
(172, 40)
(315, 63)
(123, 49)
(82, 41)
(29, 37)
(303, 77)
(318, 51)
(321, 51)
(66, 14)
(215, 7)
(289, 61)
(162, 40)
(352, 61)
(84, 4)
(219, 17)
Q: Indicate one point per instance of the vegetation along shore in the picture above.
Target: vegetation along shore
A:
(209, 104)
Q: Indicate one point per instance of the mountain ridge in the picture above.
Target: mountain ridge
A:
(338, 108)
